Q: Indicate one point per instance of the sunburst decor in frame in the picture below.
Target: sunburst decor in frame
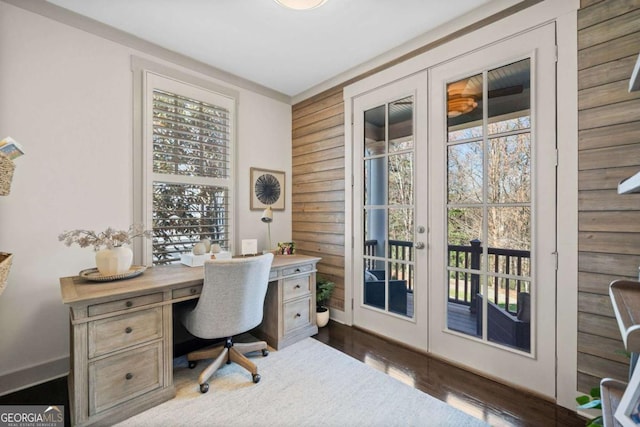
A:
(267, 189)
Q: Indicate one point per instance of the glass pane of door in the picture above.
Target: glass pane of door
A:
(489, 205)
(388, 200)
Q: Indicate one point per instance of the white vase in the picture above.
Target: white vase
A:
(111, 262)
(199, 249)
(322, 318)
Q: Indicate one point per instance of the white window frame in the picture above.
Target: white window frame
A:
(147, 76)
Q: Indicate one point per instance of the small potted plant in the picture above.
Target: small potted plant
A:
(324, 289)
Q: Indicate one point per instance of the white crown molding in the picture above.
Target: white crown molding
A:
(75, 20)
(437, 34)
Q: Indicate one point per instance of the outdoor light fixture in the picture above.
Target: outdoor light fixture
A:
(301, 4)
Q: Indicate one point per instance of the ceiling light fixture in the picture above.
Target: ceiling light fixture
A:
(457, 106)
(301, 4)
(457, 103)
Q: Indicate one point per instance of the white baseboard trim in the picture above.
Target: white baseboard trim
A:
(338, 315)
(33, 375)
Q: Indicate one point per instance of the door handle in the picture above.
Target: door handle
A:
(419, 245)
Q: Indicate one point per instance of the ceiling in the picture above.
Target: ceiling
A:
(285, 50)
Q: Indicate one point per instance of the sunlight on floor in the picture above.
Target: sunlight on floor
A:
(390, 370)
(375, 363)
(468, 407)
(401, 376)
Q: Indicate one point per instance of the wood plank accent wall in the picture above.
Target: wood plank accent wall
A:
(608, 151)
(318, 192)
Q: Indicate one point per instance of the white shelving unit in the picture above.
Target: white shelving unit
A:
(634, 83)
(632, 184)
(611, 392)
(625, 298)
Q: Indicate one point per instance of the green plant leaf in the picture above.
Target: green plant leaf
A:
(623, 353)
(596, 422)
(583, 399)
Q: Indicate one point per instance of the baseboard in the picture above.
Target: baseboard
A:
(337, 315)
(33, 375)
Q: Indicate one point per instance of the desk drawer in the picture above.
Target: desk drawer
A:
(294, 287)
(304, 268)
(191, 291)
(119, 378)
(122, 331)
(297, 314)
(124, 304)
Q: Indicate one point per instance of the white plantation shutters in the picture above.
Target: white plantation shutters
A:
(189, 138)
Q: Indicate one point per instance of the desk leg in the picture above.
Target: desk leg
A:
(167, 319)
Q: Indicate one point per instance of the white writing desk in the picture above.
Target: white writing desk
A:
(122, 333)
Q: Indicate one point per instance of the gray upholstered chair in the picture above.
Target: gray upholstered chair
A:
(231, 303)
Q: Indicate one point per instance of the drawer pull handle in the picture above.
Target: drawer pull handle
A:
(129, 375)
(128, 330)
(298, 315)
(296, 287)
(193, 291)
(129, 304)
(297, 270)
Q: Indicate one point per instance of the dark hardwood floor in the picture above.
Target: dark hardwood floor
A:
(490, 401)
(495, 403)
(54, 392)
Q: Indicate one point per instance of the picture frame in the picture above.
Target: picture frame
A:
(286, 248)
(628, 412)
(267, 188)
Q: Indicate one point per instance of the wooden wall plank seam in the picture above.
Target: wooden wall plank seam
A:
(318, 183)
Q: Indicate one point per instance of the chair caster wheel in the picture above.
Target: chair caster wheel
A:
(192, 364)
(265, 352)
(256, 378)
(204, 388)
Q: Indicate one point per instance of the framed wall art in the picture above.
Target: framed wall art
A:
(267, 189)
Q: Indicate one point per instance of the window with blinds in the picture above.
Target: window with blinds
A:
(191, 174)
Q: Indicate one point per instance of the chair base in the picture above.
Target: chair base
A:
(227, 353)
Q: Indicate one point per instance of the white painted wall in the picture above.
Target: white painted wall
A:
(67, 95)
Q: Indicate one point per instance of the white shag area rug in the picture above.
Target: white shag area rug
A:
(306, 384)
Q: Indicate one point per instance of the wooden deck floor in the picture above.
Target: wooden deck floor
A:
(460, 319)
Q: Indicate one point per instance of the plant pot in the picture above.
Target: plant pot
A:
(111, 262)
(322, 316)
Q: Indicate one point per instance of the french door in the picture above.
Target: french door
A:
(390, 292)
(454, 202)
(492, 157)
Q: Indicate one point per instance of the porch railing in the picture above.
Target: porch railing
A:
(463, 286)
(398, 250)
